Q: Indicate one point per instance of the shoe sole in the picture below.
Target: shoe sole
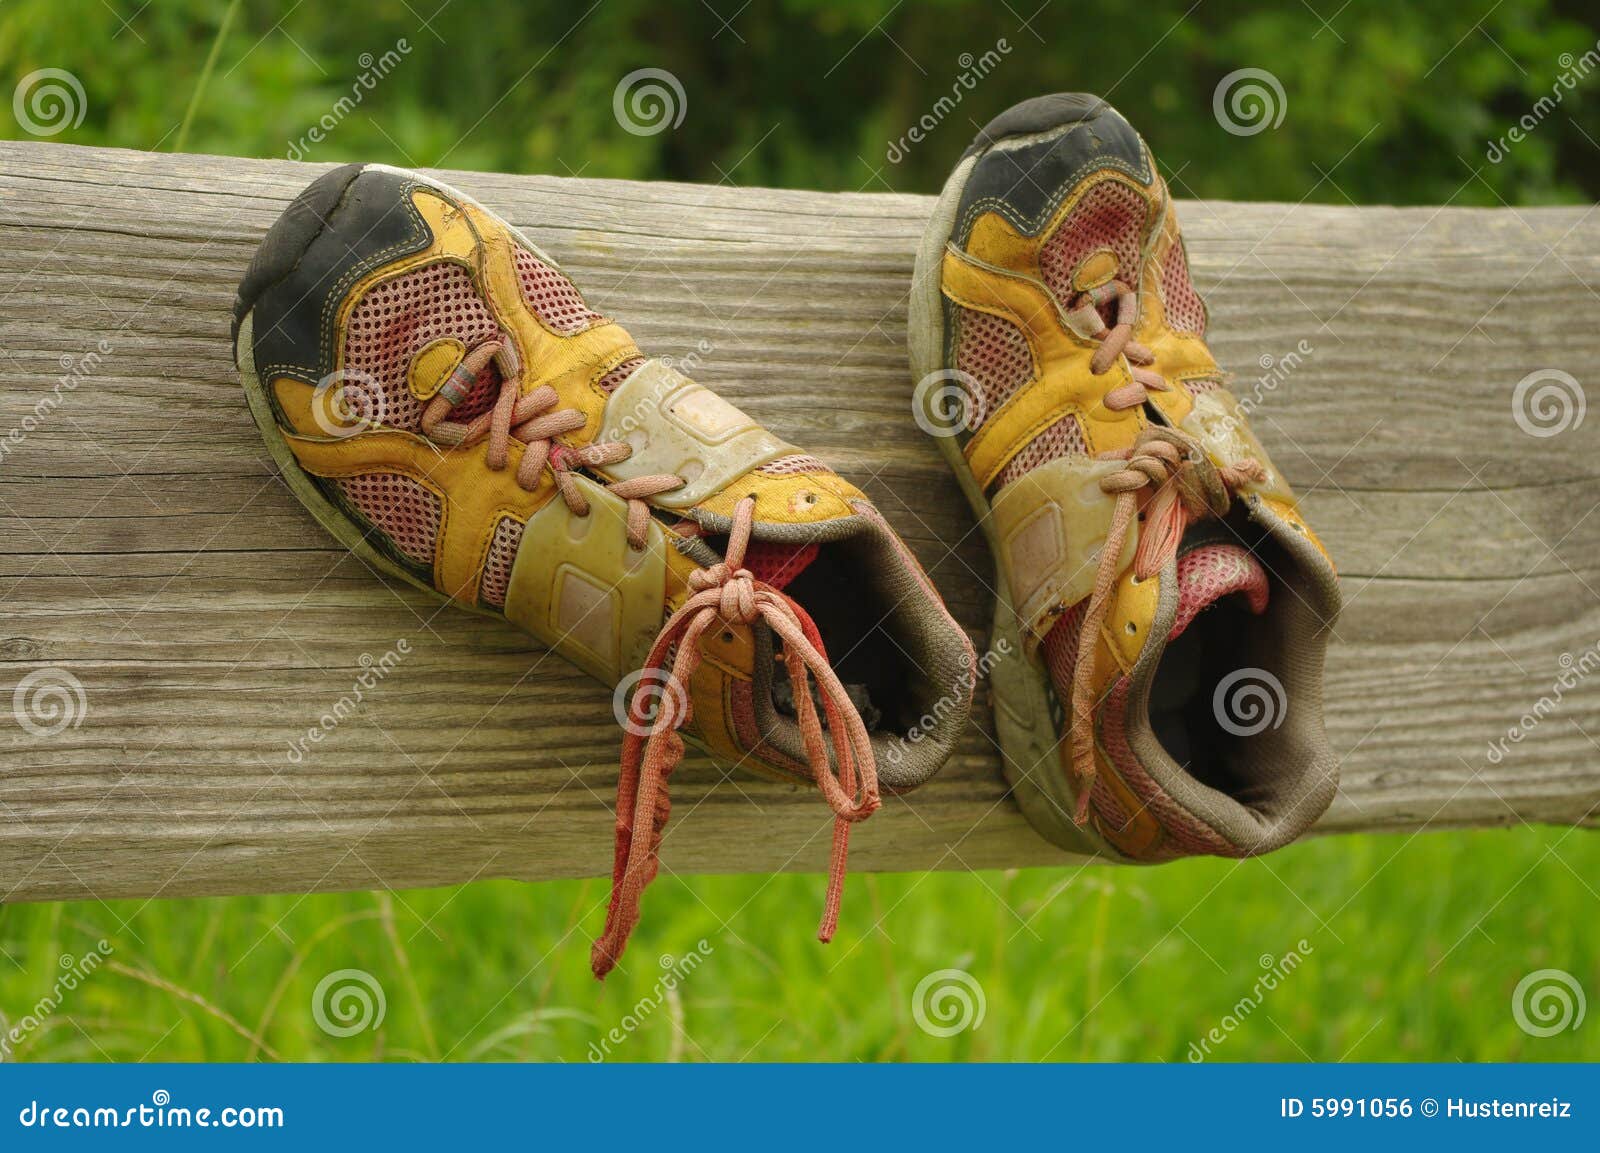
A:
(1025, 722)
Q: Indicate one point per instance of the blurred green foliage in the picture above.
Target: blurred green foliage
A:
(1417, 942)
(1384, 102)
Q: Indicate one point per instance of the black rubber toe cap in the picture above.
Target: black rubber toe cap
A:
(347, 222)
(1034, 153)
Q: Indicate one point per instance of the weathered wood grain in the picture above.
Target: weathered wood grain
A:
(147, 547)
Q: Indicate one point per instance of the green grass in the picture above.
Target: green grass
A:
(1415, 947)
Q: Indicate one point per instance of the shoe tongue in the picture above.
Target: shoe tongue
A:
(1209, 571)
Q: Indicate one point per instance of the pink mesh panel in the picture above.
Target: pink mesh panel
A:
(394, 321)
(552, 297)
(1060, 649)
(778, 562)
(1185, 312)
(400, 508)
(1211, 572)
(497, 569)
(795, 464)
(1196, 387)
(615, 376)
(992, 351)
(1110, 215)
(1063, 437)
(480, 397)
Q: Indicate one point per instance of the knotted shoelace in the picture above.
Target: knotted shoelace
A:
(724, 593)
(1188, 487)
(727, 593)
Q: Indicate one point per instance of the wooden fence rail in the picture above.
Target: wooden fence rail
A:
(147, 548)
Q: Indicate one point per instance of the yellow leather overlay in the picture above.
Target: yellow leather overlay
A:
(1218, 423)
(1050, 526)
(993, 240)
(802, 498)
(1292, 515)
(1180, 358)
(566, 363)
(474, 497)
(472, 237)
(1096, 269)
(1067, 386)
(678, 427)
(431, 367)
(580, 589)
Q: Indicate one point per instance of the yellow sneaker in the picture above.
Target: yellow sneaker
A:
(1153, 563)
(442, 399)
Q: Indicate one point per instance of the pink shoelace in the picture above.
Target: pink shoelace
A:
(536, 421)
(724, 593)
(728, 593)
(1188, 487)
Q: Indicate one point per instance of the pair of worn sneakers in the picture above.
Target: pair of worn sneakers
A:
(442, 399)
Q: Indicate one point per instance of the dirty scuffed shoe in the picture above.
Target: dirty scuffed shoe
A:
(442, 399)
(1174, 605)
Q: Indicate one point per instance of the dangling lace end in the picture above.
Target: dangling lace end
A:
(837, 868)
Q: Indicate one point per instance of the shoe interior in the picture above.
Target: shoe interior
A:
(1228, 718)
(903, 663)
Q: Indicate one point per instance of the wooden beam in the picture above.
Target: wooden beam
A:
(147, 547)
